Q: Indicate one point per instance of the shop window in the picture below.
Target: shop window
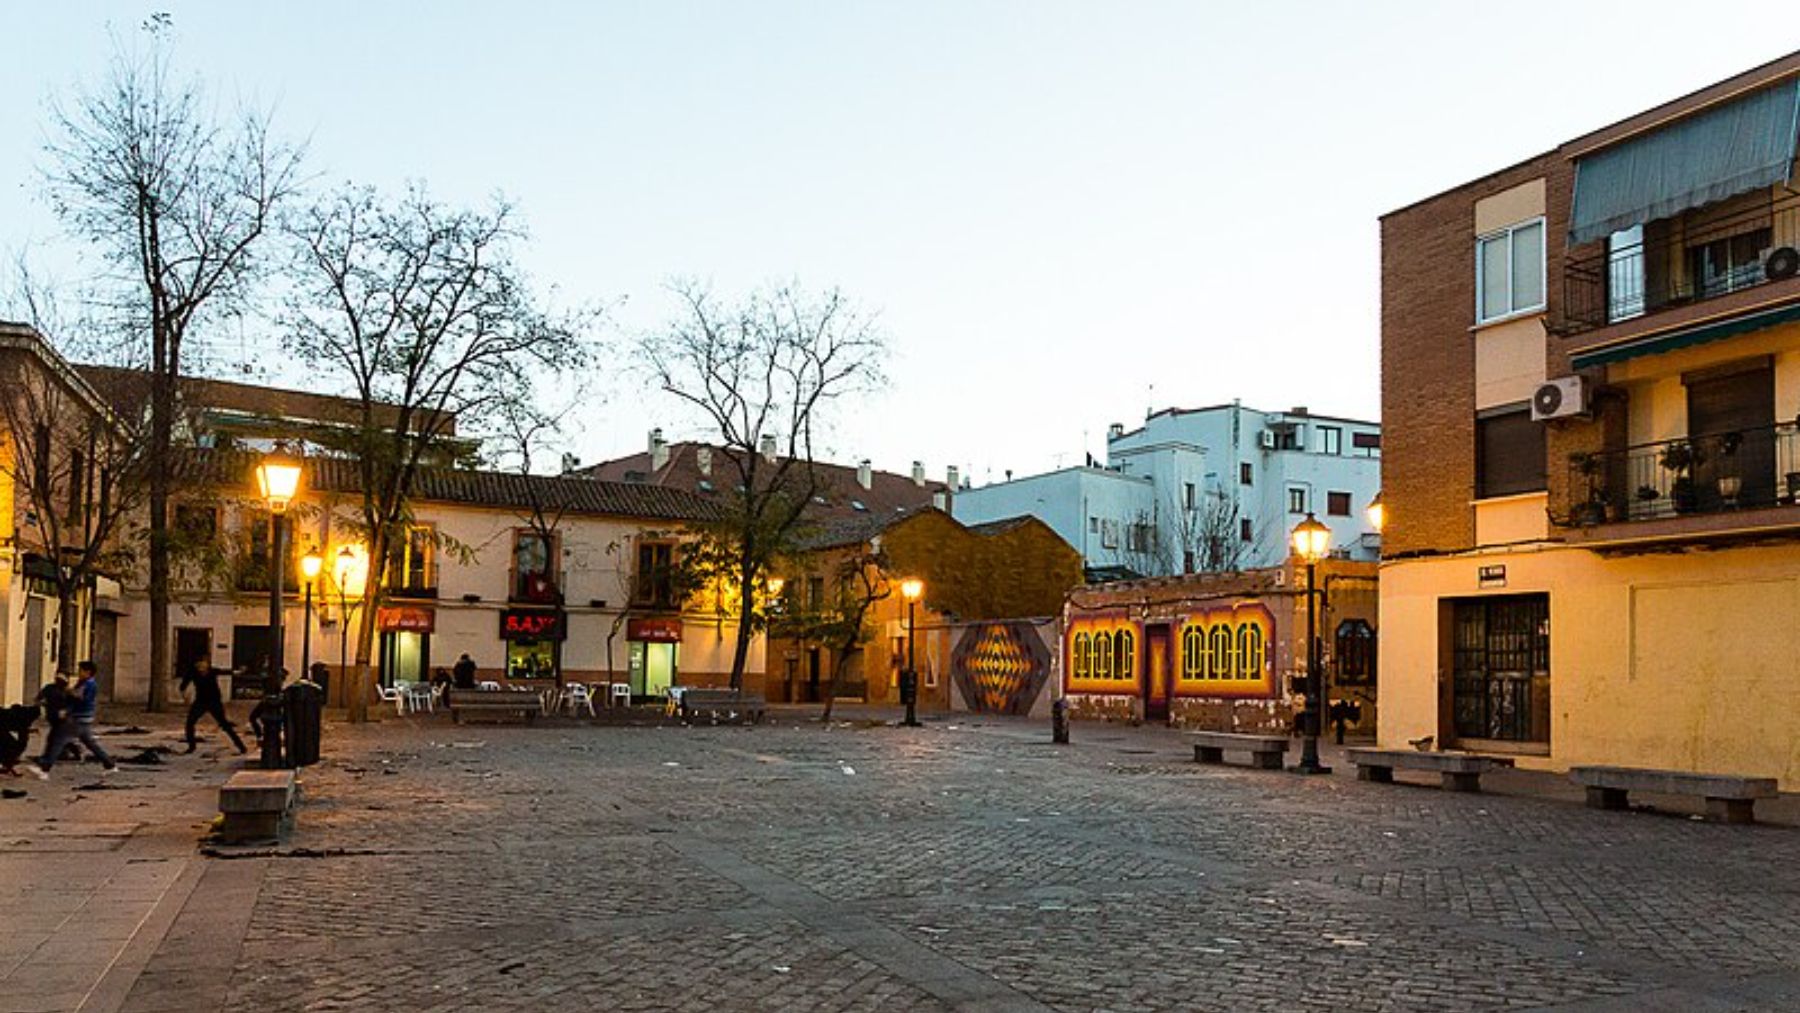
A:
(655, 583)
(531, 659)
(534, 572)
(1355, 652)
(1124, 654)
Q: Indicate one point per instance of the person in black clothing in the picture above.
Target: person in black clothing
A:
(463, 676)
(54, 699)
(207, 700)
(15, 732)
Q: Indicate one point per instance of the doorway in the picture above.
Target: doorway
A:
(1500, 683)
(405, 657)
(105, 650)
(1156, 673)
(34, 646)
(813, 676)
(1730, 412)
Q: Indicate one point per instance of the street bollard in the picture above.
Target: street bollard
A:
(1059, 721)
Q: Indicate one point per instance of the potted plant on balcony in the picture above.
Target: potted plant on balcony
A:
(1681, 457)
(1592, 509)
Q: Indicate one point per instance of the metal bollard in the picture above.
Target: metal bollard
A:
(1059, 722)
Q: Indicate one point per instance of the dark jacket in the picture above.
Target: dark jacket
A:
(465, 674)
(206, 686)
(55, 700)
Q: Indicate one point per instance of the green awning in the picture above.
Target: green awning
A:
(1686, 337)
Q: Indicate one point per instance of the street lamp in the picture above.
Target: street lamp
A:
(344, 573)
(277, 480)
(1311, 541)
(310, 565)
(1377, 513)
(912, 589)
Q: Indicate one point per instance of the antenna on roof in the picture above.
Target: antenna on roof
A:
(1150, 407)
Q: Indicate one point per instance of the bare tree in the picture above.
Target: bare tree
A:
(1146, 551)
(177, 202)
(1218, 534)
(763, 374)
(77, 471)
(862, 582)
(421, 310)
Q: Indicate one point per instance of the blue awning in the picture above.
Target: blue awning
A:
(1742, 145)
(1684, 337)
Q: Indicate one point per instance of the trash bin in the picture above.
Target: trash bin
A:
(304, 709)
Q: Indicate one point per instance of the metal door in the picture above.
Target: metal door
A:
(1501, 687)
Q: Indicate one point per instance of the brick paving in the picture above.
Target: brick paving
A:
(965, 865)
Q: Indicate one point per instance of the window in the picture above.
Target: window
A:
(1296, 499)
(1728, 264)
(1509, 271)
(1369, 442)
(1287, 439)
(1187, 495)
(1331, 440)
(196, 525)
(1246, 473)
(1141, 537)
(1625, 274)
(1109, 534)
(1093, 525)
(411, 566)
(1337, 504)
(1244, 534)
(1509, 453)
(40, 458)
(815, 594)
(77, 473)
(1355, 652)
(655, 584)
(1124, 654)
(534, 574)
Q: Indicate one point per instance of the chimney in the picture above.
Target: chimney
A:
(951, 474)
(1114, 431)
(659, 450)
(941, 500)
(1297, 410)
(767, 446)
(918, 473)
(703, 460)
(569, 462)
(865, 473)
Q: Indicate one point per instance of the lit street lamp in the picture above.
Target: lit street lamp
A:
(1311, 541)
(344, 573)
(912, 589)
(277, 480)
(1377, 513)
(310, 565)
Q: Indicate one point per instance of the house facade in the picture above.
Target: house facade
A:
(1203, 490)
(1590, 379)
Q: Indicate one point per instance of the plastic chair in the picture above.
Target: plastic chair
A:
(419, 694)
(619, 694)
(394, 695)
(487, 684)
(576, 696)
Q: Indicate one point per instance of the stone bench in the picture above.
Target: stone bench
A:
(1265, 751)
(1729, 797)
(255, 805)
(730, 703)
(496, 705)
(1460, 771)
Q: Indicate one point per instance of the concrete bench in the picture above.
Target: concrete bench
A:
(1729, 797)
(255, 805)
(730, 703)
(1265, 750)
(1460, 771)
(496, 705)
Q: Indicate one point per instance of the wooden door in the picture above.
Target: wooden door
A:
(1157, 672)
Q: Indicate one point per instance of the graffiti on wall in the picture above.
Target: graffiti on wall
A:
(1100, 655)
(1000, 667)
(1223, 651)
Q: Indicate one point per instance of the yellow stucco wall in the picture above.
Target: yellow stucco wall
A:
(1508, 519)
(1509, 362)
(1686, 661)
(1509, 207)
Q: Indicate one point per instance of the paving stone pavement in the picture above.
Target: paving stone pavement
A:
(965, 865)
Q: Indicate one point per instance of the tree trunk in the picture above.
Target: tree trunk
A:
(69, 610)
(162, 410)
(362, 681)
(746, 627)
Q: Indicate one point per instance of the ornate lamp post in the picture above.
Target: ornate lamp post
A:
(277, 480)
(310, 565)
(1311, 541)
(912, 589)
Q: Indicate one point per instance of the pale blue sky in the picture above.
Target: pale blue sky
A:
(1054, 206)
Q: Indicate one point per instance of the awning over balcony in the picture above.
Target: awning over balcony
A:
(1684, 337)
(1742, 145)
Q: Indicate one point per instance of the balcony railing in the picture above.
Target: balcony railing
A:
(1747, 470)
(1680, 261)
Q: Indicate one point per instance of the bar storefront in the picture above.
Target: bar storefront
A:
(533, 639)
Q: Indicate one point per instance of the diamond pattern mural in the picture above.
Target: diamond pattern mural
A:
(1000, 667)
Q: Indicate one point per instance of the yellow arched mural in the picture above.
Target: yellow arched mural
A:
(1227, 651)
(1100, 655)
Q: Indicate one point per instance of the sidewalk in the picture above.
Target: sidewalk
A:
(93, 871)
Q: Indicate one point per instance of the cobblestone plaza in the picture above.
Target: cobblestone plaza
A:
(957, 866)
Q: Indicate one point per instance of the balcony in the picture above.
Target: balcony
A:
(1741, 474)
(1705, 254)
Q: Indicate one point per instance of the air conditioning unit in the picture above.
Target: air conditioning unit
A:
(1561, 398)
(1267, 439)
(1782, 262)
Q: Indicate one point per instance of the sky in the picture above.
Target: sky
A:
(1065, 214)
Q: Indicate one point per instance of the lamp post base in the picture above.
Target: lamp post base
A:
(1309, 758)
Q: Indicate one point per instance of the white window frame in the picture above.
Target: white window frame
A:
(1305, 498)
(1543, 271)
(1331, 440)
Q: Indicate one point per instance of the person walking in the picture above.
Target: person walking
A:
(78, 725)
(54, 699)
(207, 700)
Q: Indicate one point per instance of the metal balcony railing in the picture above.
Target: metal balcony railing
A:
(1700, 255)
(1746, 470)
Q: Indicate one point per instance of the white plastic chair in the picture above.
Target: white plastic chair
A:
(419, 695)
(620, 694)
(487, 684)
(394, 695)
(576, 696)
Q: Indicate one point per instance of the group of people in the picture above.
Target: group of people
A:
(460, 677)
(68, 712)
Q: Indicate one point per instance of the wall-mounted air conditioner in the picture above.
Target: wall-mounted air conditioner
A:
(1561, 398)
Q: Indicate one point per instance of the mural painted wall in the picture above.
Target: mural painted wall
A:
(1223, 651)
(1001, 668)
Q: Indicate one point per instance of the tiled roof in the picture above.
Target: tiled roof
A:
(125, 387)
(498, 489)
(887, 496)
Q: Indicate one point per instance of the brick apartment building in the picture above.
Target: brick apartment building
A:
(1590, 380)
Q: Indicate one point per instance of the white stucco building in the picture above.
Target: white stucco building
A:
(1195, 490)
